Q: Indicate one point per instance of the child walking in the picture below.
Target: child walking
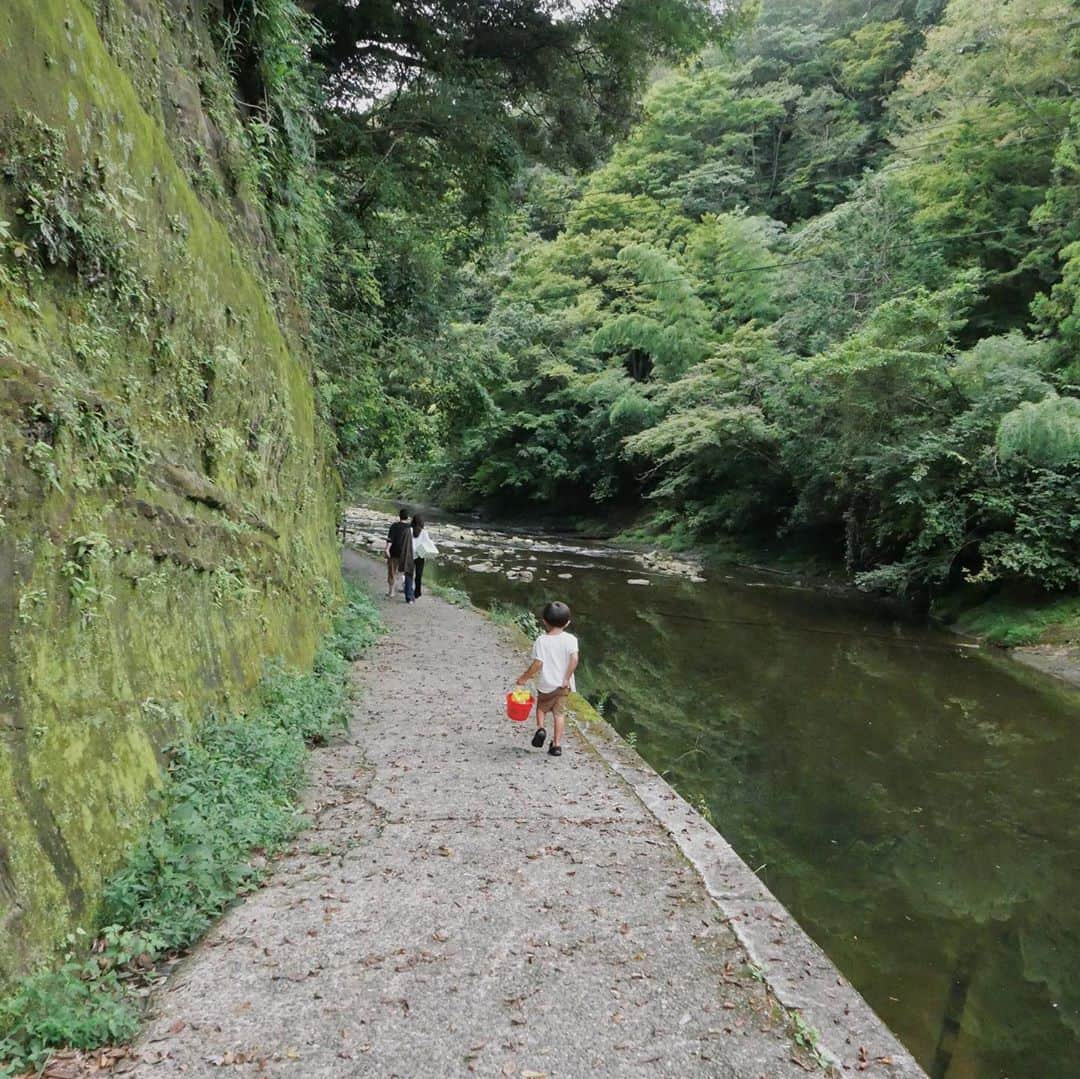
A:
(554, 660)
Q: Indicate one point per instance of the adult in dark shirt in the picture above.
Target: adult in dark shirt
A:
(399, 555)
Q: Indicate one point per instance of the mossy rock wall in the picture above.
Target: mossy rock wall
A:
(167, 502)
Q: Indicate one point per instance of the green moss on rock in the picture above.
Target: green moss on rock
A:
(167, 500)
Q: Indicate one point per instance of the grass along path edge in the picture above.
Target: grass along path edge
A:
(229, 803)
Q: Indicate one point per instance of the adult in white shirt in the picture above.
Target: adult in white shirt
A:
(423, 546)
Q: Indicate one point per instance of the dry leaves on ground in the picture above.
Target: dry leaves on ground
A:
(74, 1064)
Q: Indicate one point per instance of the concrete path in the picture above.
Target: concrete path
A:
(464, 904)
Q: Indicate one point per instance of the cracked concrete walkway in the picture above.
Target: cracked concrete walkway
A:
(466, 905)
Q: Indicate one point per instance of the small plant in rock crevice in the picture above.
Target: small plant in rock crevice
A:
(806, 1036)
(77, 220)
(84, 571)
(702, 806)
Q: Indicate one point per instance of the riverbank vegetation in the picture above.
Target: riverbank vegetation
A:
(231, 802)
(825, 291)
(818, 288)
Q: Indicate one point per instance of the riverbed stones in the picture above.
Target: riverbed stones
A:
(637, 580)
(670, 565)
(487, 548)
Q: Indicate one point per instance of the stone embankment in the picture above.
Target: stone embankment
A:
(465, 904)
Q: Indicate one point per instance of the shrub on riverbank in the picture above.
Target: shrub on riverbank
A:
(1012, 621)
(233, 791)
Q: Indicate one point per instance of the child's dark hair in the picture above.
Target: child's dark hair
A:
(417, 524)
(556, 614)
(403, 514)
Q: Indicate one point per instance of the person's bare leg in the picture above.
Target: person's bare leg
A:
(390, 574)
(560, 723)
(541, 731)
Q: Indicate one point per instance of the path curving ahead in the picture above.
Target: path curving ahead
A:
(466, 905)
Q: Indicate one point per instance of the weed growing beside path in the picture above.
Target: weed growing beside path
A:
(510, 615)
(230, 794)
(515, 617)
(456, 596)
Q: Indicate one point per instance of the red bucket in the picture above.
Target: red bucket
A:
(518, 711)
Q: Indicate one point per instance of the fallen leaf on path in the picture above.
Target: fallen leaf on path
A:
(65, 1069)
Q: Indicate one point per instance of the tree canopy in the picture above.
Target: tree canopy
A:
(824, 285)
(809, 268)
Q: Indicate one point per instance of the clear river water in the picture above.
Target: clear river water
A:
(914, 802)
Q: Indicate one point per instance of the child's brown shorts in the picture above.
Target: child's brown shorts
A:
(554, 702)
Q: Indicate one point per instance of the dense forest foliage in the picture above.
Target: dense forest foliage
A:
(822, 284)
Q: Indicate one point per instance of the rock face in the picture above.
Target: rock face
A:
(166, 522)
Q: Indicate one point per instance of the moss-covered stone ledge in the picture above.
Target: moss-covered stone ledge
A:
(167, 506)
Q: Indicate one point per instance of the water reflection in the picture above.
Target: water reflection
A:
(915, 805)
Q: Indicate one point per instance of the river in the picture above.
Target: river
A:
(913, 801)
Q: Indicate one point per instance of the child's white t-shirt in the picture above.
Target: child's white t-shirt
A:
(554, 650)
